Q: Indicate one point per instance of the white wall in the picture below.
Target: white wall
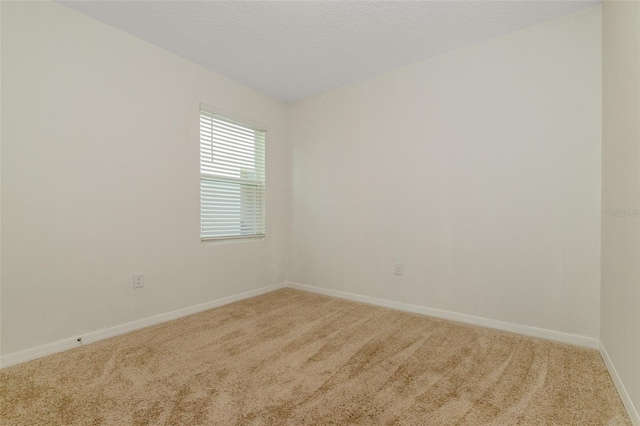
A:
(0, 183)
(620, 310)
(100, 179)
(478, 170)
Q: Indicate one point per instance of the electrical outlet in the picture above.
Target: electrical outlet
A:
(138, 280)
(397, 269)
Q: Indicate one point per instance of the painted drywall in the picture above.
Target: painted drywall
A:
(0, 182)
(478, 170)
(620, 308)
(100, 179)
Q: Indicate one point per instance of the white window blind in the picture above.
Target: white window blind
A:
(232, 179)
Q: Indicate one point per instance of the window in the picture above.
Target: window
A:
(232, 179)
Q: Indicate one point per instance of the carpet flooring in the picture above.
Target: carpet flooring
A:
(296, 358)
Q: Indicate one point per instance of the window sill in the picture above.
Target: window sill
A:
(232, 240)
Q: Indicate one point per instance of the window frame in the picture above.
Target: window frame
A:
(258, 185)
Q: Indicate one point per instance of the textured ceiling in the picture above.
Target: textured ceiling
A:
(298, 48)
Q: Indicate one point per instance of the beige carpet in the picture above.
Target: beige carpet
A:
(296, 358)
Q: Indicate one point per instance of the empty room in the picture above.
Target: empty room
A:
(320, 212)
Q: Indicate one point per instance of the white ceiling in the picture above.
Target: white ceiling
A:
(299, 48)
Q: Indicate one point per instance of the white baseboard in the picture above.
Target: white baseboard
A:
(622, 391)
(70, 343)
(557, 336)
(94, 336)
